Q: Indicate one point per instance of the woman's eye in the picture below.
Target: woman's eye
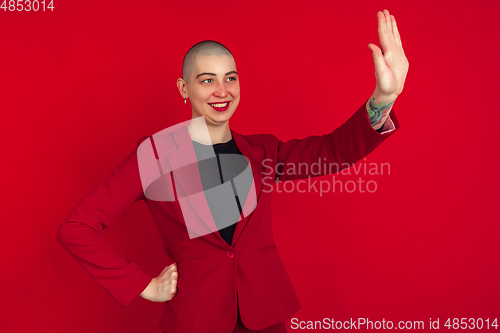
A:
(211, 80)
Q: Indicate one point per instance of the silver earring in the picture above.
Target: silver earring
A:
(185, 100)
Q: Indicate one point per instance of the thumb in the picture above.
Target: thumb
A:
(378, 58)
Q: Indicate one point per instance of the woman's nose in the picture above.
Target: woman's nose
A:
(220, 90)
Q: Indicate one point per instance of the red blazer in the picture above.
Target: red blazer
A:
(213, 276)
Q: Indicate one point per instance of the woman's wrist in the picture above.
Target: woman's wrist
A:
(146, 293)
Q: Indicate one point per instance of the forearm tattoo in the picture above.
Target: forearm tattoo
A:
(377, 112)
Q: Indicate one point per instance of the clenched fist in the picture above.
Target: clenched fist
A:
(164, 287)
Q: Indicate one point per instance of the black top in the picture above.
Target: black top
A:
(211, 173)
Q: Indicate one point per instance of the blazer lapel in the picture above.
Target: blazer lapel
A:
(189, 189)
(256, 156)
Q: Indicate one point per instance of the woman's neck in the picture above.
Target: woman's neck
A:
(206, 133)
(219, 134)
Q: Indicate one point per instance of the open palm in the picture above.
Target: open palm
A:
(391, 65)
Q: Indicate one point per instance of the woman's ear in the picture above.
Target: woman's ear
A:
(182, 86)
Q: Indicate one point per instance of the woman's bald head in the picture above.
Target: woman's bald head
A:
(206, 47)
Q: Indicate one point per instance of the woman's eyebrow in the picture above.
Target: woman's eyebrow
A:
(228, 73)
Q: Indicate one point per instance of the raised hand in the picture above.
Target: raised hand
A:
(391, 65)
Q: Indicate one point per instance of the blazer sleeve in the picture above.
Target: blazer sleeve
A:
(334, 151)
(80, 233)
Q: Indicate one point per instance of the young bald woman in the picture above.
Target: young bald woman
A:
(233, 279)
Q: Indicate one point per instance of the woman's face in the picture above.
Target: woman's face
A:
(214, 88)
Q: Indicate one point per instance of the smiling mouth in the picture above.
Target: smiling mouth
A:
(220, 106)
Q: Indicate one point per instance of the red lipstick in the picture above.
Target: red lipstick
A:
(220, 109)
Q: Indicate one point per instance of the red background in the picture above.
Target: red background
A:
(80, 86)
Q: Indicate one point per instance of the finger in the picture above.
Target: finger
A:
(396, 31)
(388, 21)
(378, 58)
(171, 267)
(383, 33)
(175, 275)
